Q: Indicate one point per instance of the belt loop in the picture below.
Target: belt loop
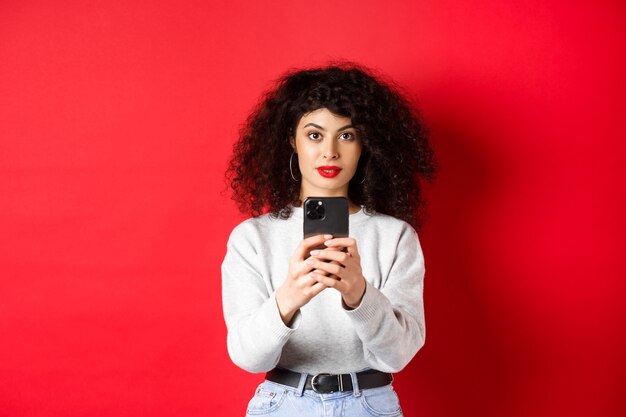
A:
(355, 385)
(301, 385)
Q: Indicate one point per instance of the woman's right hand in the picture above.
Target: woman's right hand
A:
(299, 288)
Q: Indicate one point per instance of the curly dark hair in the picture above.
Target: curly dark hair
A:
(396, 154)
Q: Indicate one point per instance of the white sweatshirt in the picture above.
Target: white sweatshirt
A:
(384, 332)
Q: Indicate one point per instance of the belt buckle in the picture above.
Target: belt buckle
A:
(339, 383)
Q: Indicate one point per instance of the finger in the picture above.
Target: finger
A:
(340, 241)
(317, 288)
(309, 286)
(320, 271)
(330, 275)
(331, 255)
(346, 242)
(304, 278)
(305, 245)
(299, 269)
(326, 281)
(330, 268)
(336, 248)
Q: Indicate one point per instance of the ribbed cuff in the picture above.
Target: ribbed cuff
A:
(370, 304)
(271, 316)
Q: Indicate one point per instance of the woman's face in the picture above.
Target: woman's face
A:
(328, 149)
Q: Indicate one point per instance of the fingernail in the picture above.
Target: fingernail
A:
(328, 236)
(315, 252)
(310, 262)
(327, 243)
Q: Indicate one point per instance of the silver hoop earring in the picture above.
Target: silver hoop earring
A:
(290, 169)
(364, 176)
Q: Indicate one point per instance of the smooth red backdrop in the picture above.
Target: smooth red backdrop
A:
(116, 122)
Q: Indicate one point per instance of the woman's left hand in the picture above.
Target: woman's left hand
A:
(344, 269)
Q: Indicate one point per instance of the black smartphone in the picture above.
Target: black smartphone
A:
(326, 215)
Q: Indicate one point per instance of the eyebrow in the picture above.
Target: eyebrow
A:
(321, 128)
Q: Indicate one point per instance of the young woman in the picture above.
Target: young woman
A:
(329, 327)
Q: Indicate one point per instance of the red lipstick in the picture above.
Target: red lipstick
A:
(329, 171)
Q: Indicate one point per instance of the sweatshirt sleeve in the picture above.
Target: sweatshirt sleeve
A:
(390, 321)
(256, 332)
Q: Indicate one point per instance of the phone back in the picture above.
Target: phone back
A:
(326, 215)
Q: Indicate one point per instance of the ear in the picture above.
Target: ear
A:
(292, 142)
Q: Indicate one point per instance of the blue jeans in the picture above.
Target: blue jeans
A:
(277, 400)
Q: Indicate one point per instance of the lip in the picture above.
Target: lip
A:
(328, 171)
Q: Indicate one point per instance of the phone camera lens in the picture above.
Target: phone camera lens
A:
(315, 210)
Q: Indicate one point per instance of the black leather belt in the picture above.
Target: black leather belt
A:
(328, 383)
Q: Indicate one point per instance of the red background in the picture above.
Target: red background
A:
(117, 119)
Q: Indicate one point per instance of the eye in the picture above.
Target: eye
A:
(314, 136)
(346, 136)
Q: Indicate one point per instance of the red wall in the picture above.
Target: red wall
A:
(116, 122)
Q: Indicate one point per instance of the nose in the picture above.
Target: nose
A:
(330, 150)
